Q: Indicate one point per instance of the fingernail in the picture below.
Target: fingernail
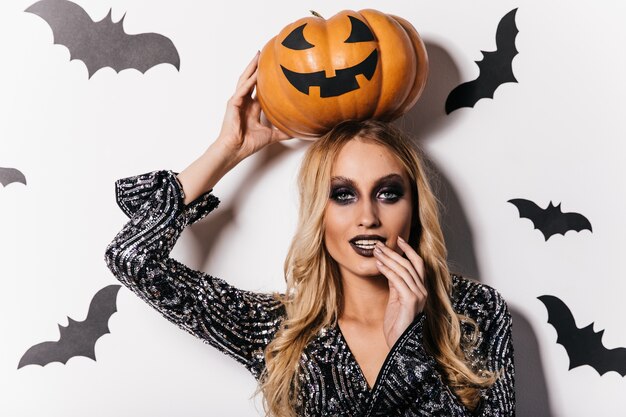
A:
(377, 251)
(379, 263)
(401, 240)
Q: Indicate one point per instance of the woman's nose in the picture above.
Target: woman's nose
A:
(368, 214)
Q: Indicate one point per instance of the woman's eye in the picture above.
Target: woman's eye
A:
(390, 195)
(342, 196)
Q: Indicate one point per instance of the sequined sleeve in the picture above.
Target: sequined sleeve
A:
(494, 352)
(237, 322)
(495, 344)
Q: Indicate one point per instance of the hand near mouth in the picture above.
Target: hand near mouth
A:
(407, 291)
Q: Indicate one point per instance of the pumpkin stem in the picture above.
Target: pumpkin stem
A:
(316, 14)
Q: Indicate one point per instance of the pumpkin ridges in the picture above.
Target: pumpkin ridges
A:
(422, 67)
(360, 109)
(398, 72)
(341, 104)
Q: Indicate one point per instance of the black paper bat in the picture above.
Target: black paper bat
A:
(495, 68)
(551, 220)
(104, 43)
(11, 175)
(583, 346)
(78, 338)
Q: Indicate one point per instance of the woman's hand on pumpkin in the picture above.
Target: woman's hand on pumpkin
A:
(243, 132)
(407, 290)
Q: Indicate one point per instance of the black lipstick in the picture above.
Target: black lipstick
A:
(368, 249)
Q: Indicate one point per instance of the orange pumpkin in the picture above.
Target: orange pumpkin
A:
(356, 65)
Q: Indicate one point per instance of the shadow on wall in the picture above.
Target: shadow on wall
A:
(427, 116)
(207, 233)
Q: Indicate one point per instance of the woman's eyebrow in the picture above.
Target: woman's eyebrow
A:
(390, 177)
(343, 180)
(351, 182)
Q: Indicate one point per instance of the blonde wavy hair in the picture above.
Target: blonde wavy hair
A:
(313, 298)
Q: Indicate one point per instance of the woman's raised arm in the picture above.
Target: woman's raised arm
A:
(160, 204)
(243, 133)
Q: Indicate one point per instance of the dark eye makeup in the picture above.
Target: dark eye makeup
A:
(387, 191)
(342, 194)
(391, 193)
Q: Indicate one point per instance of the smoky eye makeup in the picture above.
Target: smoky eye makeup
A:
(390, 193)
(389, 188)
(342, 194)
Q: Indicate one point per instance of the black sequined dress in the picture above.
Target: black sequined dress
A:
(241, 323)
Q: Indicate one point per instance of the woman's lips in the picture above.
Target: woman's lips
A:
(364, 244)
(368, 253)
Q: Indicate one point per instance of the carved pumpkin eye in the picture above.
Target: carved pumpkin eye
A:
(295, 40)
(359, 32)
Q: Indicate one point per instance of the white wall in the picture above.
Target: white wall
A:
(556, 135)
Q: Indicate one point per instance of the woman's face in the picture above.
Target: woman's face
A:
(370, 199)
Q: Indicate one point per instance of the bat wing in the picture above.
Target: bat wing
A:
(104, 43)
(70, 24)
(145, 50)
(529, 210)
(555, 221)
(11, 175)
(583, 346)
(495, 68)
(78, 338)
(565, 222)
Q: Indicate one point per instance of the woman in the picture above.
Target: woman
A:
(372, 322)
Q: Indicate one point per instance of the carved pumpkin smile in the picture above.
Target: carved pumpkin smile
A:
(343, 82)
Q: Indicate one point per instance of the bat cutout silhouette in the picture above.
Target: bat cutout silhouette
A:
(104, 43)
(551, 220)
(495, 68)
(78, 338)
(11, 175)
(583, 346)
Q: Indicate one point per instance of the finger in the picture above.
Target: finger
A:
(396, 281)
(413, 270)
(244, 90)
(255, 110)
(415, 259)
(398, 269)
(278, 135)
(414, 276)
(250, 68)
(406, 263)
(248, 85)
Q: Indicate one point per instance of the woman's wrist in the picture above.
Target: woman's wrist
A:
(203, 173)
(225, 154)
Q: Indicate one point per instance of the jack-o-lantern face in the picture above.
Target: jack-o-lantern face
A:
(356, 65)
(345, 78)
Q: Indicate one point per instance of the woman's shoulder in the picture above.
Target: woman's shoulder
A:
(476, 300)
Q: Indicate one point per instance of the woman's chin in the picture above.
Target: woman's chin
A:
(370, 270)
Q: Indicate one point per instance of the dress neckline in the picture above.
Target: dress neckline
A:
(362, 378)
(384, 369)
